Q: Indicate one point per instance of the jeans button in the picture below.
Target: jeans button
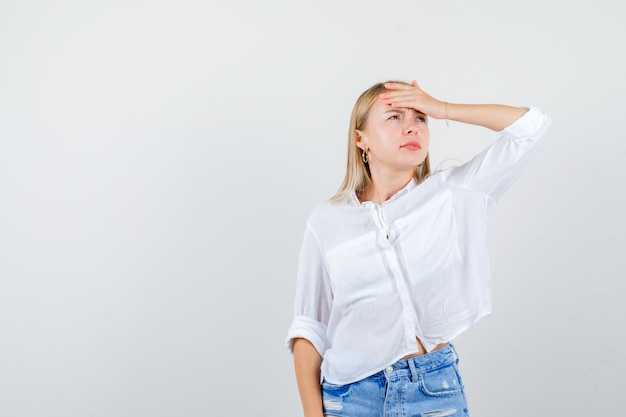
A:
(389, 369)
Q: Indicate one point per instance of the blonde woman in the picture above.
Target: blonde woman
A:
(395, 265)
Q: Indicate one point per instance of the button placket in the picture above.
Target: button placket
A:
(390, 253)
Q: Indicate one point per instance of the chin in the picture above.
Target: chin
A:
(417, 162)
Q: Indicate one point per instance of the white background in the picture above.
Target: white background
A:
(158, 160)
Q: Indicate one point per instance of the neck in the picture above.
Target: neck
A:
(382, 187)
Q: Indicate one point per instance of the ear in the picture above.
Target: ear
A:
(361, 141)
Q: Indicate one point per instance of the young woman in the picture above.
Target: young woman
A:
(395, 265)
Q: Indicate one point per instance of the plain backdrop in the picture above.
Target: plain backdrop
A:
(158, 161)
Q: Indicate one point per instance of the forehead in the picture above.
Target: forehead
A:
(379, 108)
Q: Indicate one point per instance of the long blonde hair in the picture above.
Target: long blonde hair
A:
(357, 172)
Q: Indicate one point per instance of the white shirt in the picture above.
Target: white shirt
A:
(372, 277)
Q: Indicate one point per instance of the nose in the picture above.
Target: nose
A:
(410, 127)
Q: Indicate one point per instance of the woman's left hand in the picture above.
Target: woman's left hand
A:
(412, 96)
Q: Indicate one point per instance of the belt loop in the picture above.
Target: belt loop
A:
(414, 372)
(454, 353)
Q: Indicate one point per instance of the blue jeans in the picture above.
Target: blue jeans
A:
(424, 386)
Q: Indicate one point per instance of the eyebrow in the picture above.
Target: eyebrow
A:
(403, 110)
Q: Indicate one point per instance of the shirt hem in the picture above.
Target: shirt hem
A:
(472, 320)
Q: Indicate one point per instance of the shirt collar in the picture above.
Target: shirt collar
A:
(354, 200)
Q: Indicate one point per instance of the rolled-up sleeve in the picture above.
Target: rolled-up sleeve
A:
(313, 298)
(495, 169)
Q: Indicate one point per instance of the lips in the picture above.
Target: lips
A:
(412, 146)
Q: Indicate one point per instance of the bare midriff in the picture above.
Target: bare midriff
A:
(422, 350)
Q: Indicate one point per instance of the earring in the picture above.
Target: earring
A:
(364, 156)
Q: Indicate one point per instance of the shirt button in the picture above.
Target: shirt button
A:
(389, 369)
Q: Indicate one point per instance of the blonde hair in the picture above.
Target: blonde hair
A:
(357, 172)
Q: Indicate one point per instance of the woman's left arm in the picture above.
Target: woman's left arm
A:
(492, 116)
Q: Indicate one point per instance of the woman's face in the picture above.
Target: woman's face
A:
(396, 138)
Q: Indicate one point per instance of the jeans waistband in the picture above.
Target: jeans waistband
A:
(427, 362)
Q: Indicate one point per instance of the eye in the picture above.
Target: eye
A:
(394, 117)
(422, 119)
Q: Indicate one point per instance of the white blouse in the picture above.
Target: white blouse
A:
(372, 277)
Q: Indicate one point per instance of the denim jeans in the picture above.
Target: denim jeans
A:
(424, 386)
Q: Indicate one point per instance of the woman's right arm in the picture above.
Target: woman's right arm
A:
(307, 364)
(306, 337)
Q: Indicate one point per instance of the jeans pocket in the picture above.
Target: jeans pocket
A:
(333, 396)
(334, 389)
(441, 382)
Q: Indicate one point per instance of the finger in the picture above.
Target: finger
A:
(404, 103)
(402, 86)
(397, 86)
(396, 93)
(409, 98)
(399, 95)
